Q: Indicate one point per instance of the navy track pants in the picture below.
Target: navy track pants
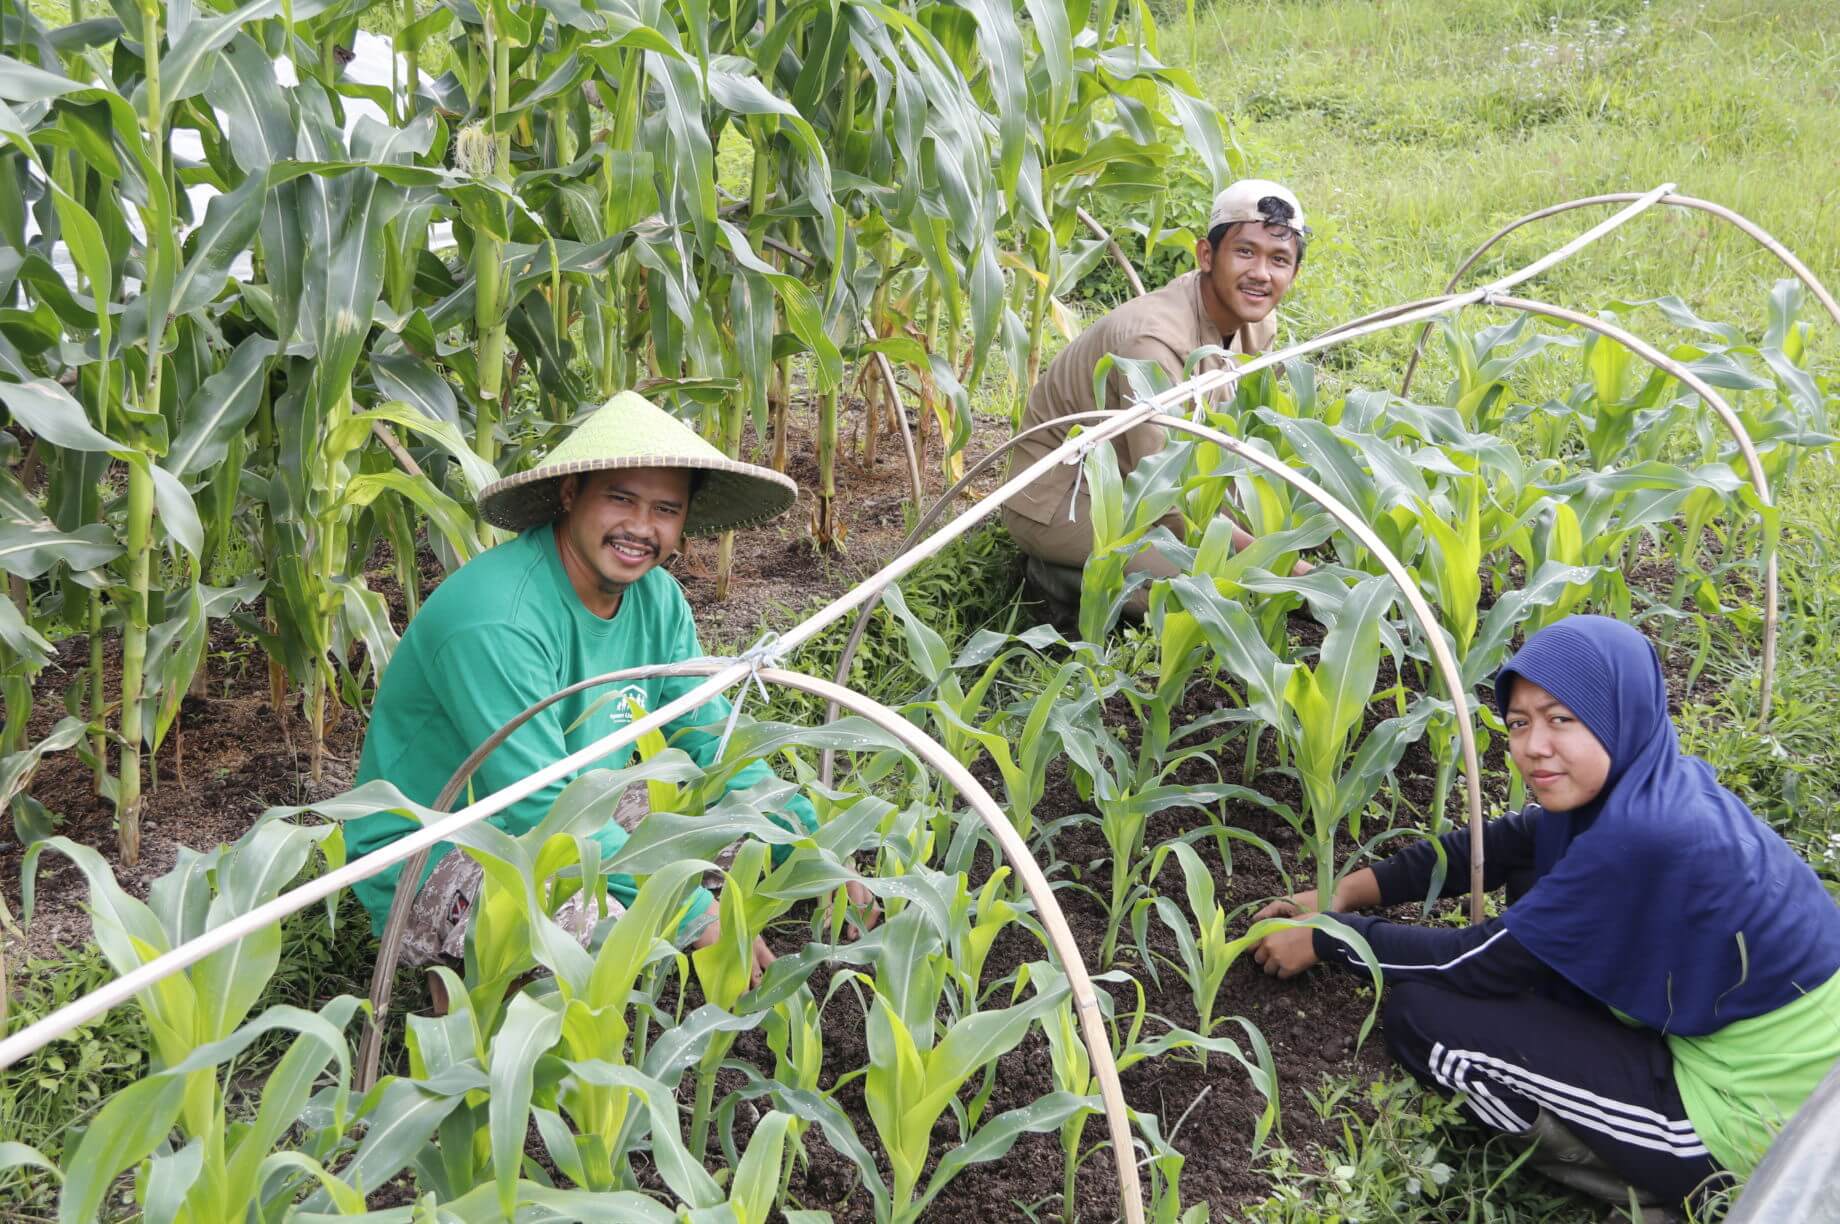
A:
(1611, 1084)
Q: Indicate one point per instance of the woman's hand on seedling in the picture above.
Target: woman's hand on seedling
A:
(1289, 952)
(1286, 953)
(1294, 906)
(1357, 890)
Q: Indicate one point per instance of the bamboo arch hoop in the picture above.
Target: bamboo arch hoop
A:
(1740, 435)
(1665, 363)
(1015, 852)
(1346, 517)
(1764, 239)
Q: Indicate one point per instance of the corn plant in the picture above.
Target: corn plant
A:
(915, 1073)
(1087, 156)
(1315, 709)
(199, 1023)
(1124, 512)
(1071, 1070)
(1205, 953)
(1479, 390)
(796, 1038)
(128, 401)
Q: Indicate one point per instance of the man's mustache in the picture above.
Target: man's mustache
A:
(622, 538)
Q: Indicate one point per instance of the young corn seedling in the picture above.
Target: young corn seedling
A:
(1071, 1068)
(1124, 513)
(595, 1022)
(1021, 753)
(1315, 710)
(725, 968)
(1479, 392)
(915, 1072)
(975, 924)
(1204, 951)
(795, 1035)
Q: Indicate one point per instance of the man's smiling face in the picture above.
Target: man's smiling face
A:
(616, 526)
(1251, 270)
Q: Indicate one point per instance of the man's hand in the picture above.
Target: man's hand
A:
(1286, 953)
(861, 902)
(763, 955)
(1243, 539)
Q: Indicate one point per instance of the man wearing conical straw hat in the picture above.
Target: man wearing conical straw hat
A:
(577, 593)
(1244, 266)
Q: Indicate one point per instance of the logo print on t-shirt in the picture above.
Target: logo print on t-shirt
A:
(619, 708)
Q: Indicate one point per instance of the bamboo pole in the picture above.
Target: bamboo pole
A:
(1111, 245)
(59, 1023)
(886, 371)
(1763, 237)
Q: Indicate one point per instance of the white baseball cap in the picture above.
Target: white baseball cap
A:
(1257, 200)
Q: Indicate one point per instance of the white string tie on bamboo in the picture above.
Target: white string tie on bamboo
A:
(1078, 459)
(1199, 411)
(765, 652)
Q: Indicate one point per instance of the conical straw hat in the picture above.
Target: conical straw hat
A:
(629, 431)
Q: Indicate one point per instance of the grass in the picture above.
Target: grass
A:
(1412, 130)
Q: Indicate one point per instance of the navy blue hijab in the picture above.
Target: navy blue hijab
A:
(1665, 898)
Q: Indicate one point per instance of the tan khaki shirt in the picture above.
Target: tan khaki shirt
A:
(1164, 327)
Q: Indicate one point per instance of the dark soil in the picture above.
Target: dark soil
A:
(229, 756)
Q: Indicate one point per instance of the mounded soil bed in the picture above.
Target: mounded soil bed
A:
(241, 755)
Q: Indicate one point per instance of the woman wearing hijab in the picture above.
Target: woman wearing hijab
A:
(1660, 993)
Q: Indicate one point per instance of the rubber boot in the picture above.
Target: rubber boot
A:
(1058, 586)
(1563, 1156)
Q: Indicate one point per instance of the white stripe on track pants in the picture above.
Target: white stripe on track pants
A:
(1611, 1084)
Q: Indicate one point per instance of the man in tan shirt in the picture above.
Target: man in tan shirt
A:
(1254, 245)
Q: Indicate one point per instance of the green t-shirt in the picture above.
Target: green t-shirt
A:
(1742, 1083)
(502, 632)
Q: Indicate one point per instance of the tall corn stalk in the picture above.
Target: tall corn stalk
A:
(140, 475)
(487, 154)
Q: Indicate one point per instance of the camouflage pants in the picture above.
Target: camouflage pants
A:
(438, 917)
